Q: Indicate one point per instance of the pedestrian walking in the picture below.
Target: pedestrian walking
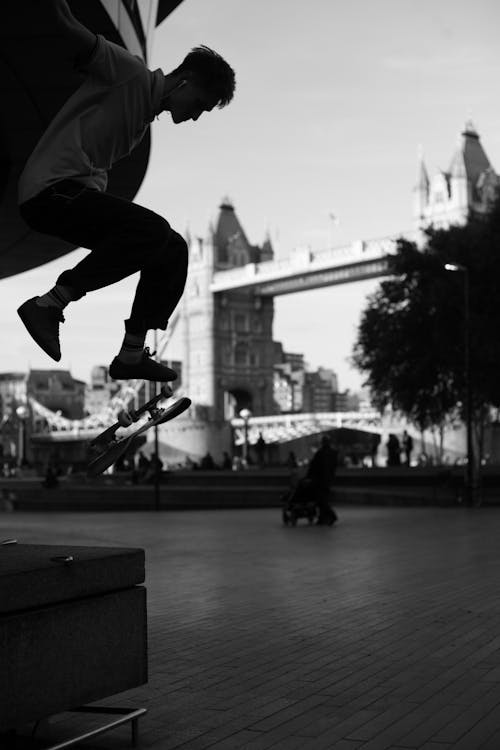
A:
(393, 451)
(407, 443)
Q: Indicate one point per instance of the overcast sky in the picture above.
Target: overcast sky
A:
(332, 102)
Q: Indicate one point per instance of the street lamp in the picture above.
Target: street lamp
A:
(470, 472)
(245, 414)
(157, 457)
(22, 414)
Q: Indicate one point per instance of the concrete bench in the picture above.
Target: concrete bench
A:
(72, 628)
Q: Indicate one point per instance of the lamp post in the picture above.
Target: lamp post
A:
(245, 414)
(157, 461)
(22, 414)
(470, 469)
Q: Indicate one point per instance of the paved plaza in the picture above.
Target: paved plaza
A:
(381, 633)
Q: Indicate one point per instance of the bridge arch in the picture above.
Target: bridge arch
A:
(236, 398)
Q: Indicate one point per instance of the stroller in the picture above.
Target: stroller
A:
(299, 502)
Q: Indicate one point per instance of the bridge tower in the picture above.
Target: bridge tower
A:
(228, 350)
(469, 185)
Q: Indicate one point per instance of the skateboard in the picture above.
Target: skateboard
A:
(107, 448)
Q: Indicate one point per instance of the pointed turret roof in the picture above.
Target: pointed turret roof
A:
(268, 245)
(228, 230)
(422, 174)
(266, 252)
(469, 160)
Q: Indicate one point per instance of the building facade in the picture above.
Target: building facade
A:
(24, 434)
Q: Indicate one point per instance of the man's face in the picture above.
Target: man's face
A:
(189, 102)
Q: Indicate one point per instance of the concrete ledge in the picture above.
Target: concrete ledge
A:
(186, 490)
(101, 498)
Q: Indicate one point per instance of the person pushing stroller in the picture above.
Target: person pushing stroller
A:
(321, 473)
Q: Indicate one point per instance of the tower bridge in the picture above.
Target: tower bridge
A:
(228, 306)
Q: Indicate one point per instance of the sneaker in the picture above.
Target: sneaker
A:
(145, 369)
(42, 324)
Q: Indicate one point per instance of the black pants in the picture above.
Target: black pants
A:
(123, 238)
(326, 514)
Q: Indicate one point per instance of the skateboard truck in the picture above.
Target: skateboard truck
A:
(127, 417)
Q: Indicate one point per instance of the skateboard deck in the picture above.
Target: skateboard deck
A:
(107, 448)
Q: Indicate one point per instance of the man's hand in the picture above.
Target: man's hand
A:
(79, 40)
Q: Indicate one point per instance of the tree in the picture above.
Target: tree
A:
(410, 339)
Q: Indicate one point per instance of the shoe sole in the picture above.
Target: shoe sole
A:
(138, 376)
(53, 354)
(130, 375)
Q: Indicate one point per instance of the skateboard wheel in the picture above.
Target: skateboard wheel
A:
(124, 418)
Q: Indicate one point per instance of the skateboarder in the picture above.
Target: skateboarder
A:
(62, 188)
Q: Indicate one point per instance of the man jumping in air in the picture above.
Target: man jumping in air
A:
(62, 188)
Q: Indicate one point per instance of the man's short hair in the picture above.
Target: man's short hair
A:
(212, 71)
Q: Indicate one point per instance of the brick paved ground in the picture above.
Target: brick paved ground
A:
(382, 633)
